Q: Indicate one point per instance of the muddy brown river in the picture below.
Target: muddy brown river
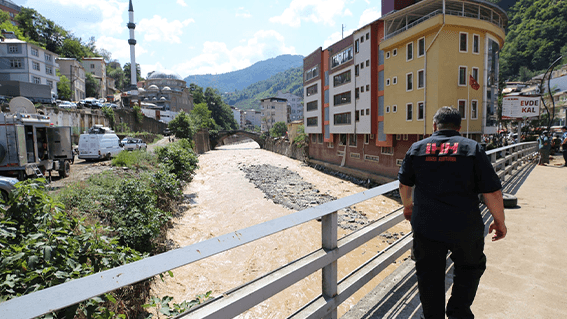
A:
(223, 200)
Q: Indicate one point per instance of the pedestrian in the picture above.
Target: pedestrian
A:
(564, 144)
(448, 172)
(544, 148)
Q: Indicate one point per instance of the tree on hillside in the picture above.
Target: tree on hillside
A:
(127, 73)
(537, 32)
(279, 129)
(197, 93)
(220, 112)
(64, 87)
(182, 126)
(91, 86)
(117, 74)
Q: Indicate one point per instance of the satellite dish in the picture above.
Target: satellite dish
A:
(21, 105)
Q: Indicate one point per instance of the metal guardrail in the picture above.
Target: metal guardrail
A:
(250, 294)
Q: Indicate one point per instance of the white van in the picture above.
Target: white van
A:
(100, 142)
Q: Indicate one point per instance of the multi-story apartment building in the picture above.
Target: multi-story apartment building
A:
(25, 62)
(97, 67)
(274, 110)
(369, 96)
(296, 105)
(75, 72)
(252, 118)
(12, 9)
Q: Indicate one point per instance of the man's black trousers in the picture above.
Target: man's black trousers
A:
(469, 265)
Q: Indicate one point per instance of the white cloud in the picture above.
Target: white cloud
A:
(105, 16)
(147, 68)
(317, 11)
(368, 16)
(181, 3)
(159, 29)
(335, 37)
(119, 48)
(242, 13)
(217, 58)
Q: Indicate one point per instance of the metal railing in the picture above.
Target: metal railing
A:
(505, 161)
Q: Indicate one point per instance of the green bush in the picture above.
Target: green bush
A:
(41, 245)
(135, 159)
(179, 159)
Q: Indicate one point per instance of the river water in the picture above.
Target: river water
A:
(223, 200)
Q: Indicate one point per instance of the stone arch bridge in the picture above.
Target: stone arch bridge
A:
(222, 135)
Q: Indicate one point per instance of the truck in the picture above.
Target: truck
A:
(30, 146)
(36, 93)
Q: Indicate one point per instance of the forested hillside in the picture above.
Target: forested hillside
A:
(239, 80)
(288, 81)
(536, 36)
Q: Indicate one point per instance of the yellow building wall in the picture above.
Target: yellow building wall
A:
(442, 73)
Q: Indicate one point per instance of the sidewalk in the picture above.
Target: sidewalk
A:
(526, 275)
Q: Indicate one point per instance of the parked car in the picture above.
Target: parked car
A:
(132, 144)
(6, 186)
(67, 105)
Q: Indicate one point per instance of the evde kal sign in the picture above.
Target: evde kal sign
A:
(520, 107)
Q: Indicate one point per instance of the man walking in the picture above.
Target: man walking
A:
(564, 144)
(544, 148)
(448, 172)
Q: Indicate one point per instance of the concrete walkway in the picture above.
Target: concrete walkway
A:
(526, 274)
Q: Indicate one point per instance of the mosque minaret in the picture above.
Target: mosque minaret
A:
(132, 41)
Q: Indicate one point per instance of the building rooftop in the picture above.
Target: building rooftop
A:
(165, 74)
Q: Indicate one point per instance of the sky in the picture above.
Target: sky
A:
(201, 37)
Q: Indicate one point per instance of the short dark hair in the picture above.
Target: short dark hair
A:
(564, 127)
(447, 118)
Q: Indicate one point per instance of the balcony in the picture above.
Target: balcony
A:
(407, 18)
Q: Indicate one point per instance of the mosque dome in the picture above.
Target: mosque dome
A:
(153, 87)
(163, 98)
(166, 88)
(165, 74)
(141, 90)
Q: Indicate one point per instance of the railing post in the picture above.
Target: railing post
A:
(329, 237)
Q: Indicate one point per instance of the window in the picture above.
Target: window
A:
(12, 48)
(394, 108)
(356, 70)
(92, 66)
(421, 47)
(373, 158)
(362, 65)
(313, 138)
(352, 140)
(462, 76)
(356, 93)
(311, 106)
(388, 82)
(342, 119)
(342, 57)
(474, 109)
(36, 80)
(463, 108)
(406, 137)
(357, 115)
(387, 109)
(34, 52)
(312, 121)
(367, 111)
(463, 42)
(342, 139)
(48, 70)
(320, 138)
(343, 98)
(367, 35)
(311, 73)
(341, 78)
(395, 80)
(362, 89)
(50, 83)
(312, 90)
(420, 79)
(395, 52)
(366, 138)
(15, 64)
(398, 137)
(388, 55)
(330, 145)
(367, 63)
(475, 74)
(420, 111)
(387, 150)
(409, 51)
(367, 87)
(476, 43)
(409, 81)
(356, 46)
(35, 66)
(362, 39)
(409, 112)
(48, 58)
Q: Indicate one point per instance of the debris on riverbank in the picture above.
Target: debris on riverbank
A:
(287, 188)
